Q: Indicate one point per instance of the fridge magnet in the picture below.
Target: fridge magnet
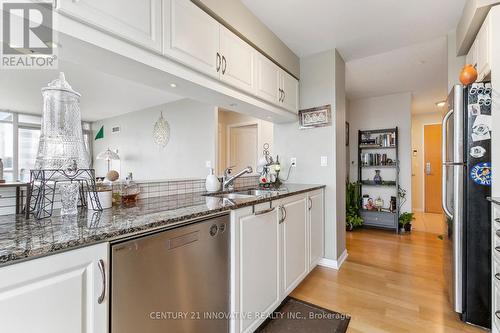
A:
(477, 151)
(474, 110)
(476, 88)
(481, 128)
(315, 117)
(481, 174)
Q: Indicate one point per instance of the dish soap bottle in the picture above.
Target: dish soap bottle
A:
(212, 183)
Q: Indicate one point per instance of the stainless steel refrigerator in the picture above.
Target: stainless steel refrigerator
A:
(466, 155)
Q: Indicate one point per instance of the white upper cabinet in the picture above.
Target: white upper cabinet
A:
(237, 61)
(191, 36)
(139, 22)
(316, 224)
(484, 50)
(267, 79)
(295, 242)
(289, 91)
(60, 293)
(480, 52)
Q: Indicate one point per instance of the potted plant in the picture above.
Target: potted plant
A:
(353, 199)
(405, 222)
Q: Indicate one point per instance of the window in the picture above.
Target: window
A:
(27, 151)
(7, 149)
(23, 130)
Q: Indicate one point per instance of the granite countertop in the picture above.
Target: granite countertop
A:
(495, 200)
(22, 238)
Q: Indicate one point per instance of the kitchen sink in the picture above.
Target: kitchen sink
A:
(247, 194)
(235, 195)
(257, 193)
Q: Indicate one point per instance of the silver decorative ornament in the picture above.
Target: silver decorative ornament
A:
(161, 132)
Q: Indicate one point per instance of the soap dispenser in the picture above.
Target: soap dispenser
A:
(212, 183)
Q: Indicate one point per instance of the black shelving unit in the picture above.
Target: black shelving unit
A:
(380, 141)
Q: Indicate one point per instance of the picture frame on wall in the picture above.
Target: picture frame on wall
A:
(315, 117)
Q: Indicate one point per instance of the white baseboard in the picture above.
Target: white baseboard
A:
(331, 263)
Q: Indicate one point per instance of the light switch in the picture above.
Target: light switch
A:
(324, 161)
(208, 164)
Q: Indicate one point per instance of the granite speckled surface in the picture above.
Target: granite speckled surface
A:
(22, 239)
(495, 200)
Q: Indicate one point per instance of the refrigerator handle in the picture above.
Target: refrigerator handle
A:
(445, 165)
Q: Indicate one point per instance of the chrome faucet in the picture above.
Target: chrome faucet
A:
(228, 180)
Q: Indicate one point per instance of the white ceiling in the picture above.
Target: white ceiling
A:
(420, 69)
(103, 95)
(389, 46)
(357, 28)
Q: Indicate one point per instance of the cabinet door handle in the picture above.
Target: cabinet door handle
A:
(103, 276)
(284, 213)
(497, 276)
(284, 95)
(224, 65)
(217, 62)
(265, 211)
(310, 204)
(497, 314)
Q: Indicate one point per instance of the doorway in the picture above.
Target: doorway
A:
(242, 143)
(432, 168)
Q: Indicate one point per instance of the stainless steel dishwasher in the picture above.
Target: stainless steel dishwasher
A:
(172, 281)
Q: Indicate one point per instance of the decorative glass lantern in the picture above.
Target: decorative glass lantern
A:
(61, 140)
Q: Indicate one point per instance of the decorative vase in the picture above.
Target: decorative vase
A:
(69, 198)
(378, 178)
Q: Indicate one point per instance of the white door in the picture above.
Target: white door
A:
(267, 79)
(139, 22)
(56, 294)
(290, 87)
(192, 36)
(258, 266)
(237, 67)
(295, 246)
(316, 227)
(242, 147)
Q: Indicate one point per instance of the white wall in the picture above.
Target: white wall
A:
(317, 88)
(340, 118)
(192, 142)
(238, 16)
(417, 139)
(383, 112)
(455, 64)
(226, 118)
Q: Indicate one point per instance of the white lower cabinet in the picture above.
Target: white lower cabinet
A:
(295, 243)
(270, 255)
(316, 224)
(57, 294)
(256, 265)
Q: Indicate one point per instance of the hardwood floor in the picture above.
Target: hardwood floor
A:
(389, 283)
